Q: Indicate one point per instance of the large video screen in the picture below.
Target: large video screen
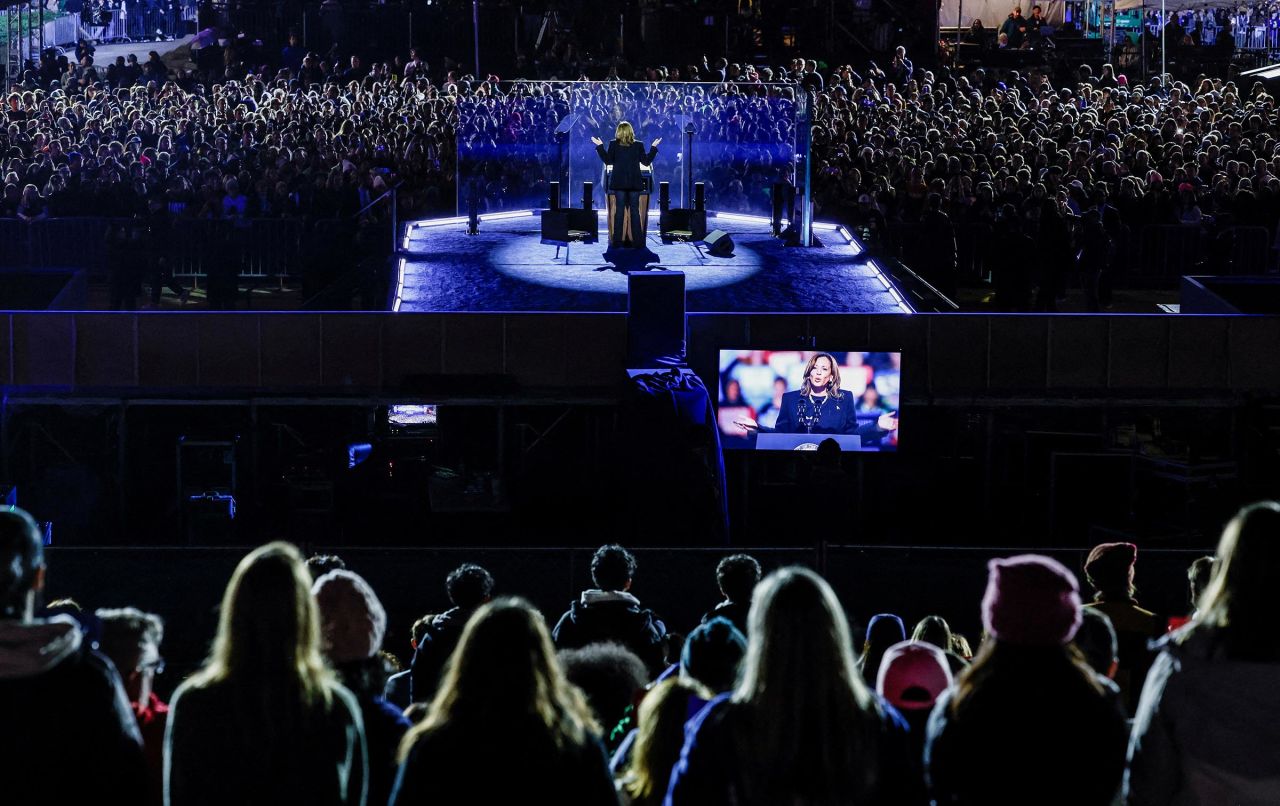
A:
(413, 415)
(789, 400)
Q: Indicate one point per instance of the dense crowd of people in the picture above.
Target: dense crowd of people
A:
(1072, 169)
(1072, 696)
(1048, 180)
(317, 140)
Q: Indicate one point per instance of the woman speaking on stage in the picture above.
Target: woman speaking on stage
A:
(626, 156)
(820, 407)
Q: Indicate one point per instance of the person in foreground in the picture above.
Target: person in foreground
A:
(819, 406)
(626, 156)
(1029, 721)
(69, 735)
(505, 725)
(1207, 729)
(801, 727)
(265, 722)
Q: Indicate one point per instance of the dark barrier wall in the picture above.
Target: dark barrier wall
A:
(185, 585)
(947, 355)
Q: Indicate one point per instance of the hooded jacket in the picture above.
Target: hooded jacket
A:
(70, 735)
(603, 616)
(1206, 729)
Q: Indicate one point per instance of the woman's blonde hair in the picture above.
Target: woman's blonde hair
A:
(268, 640)
(625, 135)
(1240, 599)
(811, 720)
(503, 671)
(833, 386)
(660, 737)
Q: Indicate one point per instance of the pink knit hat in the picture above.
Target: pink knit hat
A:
(1031, 600)
(912, 675)
(352, 619)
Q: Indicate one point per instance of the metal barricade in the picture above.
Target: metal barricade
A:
(146, 22)
(971, 250)
(274, 247)
(64, 31)
(906, 239)
(71, 243)
(190, 246)
(264, 247)
(15, 244)
(1168, 252)
(261, 248)
(1250, 249)
(105, 26)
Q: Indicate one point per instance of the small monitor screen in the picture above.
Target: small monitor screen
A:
(793, 400)
(412, 415)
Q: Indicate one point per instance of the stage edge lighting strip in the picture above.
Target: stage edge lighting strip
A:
(395, 305)
(746, 219)
(444, 222)
(891, 288)
(506, 215)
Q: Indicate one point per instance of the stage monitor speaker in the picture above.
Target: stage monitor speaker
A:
(719, 243)
(554, 201)
(588, 192)
(681, 224)
(570, 224)
(664, 196)
(699, 196)
(655, 318)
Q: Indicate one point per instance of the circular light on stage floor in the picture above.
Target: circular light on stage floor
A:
(586, 267)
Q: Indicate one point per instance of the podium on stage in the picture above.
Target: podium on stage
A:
(646, 175)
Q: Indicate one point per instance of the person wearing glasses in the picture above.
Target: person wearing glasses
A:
(131, 640)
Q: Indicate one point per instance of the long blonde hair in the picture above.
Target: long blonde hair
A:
(624, 134)
(660, 737)
(504, 670)
(1240, 599)
(811, 720)
(833, 387)
(268, 638)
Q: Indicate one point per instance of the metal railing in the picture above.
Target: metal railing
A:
(1157, 253)
(263, 247)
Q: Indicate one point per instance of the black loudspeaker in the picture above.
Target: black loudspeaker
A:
(588, 192)
(719, 243)
(655, 318)
(555, 196)
(664, 196)
(680, 224)
(699, 196)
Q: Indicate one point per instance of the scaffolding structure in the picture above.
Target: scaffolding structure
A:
(24, 26)
(1108, 25)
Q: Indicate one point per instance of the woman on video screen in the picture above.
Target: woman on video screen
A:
(820, 407)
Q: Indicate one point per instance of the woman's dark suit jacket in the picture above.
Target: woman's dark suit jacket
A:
(626, 162)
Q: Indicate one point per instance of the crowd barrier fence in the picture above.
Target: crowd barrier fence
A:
(265, 247)
(1160, 253)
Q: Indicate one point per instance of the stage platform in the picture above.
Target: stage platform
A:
(506, 268)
